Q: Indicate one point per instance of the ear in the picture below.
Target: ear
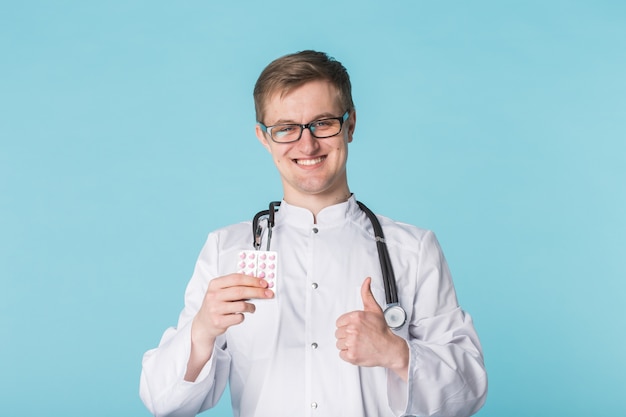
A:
(260, 135)
(351, 125)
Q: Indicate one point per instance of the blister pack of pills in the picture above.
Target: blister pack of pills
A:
(260, 264)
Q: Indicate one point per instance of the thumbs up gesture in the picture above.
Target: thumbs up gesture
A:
(364, 339)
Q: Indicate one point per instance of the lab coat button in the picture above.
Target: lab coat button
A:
(315, 230)
(314, 405)
(313, 345)
(314, 285)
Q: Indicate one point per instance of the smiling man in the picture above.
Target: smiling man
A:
(318, 343)
(312, 169)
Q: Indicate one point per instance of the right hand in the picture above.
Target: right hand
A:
(225, 301)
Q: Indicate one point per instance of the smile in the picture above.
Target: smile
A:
(310, 161)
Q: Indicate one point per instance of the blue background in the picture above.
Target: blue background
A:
(127, 134)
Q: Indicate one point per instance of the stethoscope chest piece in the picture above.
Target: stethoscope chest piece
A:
(395, 316)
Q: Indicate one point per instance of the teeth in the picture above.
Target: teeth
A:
(309, 161)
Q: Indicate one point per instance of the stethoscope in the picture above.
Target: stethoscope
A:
(395, 315)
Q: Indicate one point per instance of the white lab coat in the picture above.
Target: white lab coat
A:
(282, 360)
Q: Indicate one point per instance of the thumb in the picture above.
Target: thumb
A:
(369, 302)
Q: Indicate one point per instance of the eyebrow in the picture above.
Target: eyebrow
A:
(291, 122)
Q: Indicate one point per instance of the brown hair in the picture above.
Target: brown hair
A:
(294, 70)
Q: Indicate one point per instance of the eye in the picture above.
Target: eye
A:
(320, 124)
(283, 130)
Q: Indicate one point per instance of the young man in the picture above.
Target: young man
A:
(317, 344)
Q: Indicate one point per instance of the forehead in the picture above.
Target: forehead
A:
(303, 102)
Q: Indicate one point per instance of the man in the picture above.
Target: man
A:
(319, 345)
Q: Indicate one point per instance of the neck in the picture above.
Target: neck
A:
(316, 203)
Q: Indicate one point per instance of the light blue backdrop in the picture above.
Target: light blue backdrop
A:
(126, 135)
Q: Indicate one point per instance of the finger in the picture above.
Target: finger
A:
(224, 322)
(243, 293)
(369, 302)
(341, 333)
(235, 307)
(341, 344)
(350, 318)
(238, 280)
(342, 321)
(348, 356)
(216, 323)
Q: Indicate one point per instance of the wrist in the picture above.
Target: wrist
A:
(200, 352)
(201, 341)
(400, 358)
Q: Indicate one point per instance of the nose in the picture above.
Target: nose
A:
(308, 143)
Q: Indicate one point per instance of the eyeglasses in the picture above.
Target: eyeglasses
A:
(292, 132)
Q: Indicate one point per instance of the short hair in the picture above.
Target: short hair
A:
(294, 70)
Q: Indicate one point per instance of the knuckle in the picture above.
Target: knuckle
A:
(216, 322)
(210, 294)
(352, 330)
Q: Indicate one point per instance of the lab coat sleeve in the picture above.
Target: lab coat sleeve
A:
(447, 376)
(162, 386)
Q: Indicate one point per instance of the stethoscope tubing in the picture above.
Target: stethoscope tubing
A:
(389, 278)
(395, 315)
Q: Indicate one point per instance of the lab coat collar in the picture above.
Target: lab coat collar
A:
(328, 216)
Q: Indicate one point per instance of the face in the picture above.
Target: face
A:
(310, 167)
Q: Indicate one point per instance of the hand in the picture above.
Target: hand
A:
(225, 301)
(364, 339)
